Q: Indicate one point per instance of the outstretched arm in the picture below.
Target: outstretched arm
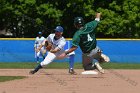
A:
(38, 49)
(40, 46)
(98, 16)
(63, 55)
(71, 49)
(55, 50)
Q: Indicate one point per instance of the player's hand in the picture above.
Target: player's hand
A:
(37, 50)
(53, 51)
(98, 15)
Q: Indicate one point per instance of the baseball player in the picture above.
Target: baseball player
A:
(71, 57)
(85, 38)
(39, 39)
(54, 43)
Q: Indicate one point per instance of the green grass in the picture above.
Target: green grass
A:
(9, 78)
(64, 65)
(17, 65)
(30, 65)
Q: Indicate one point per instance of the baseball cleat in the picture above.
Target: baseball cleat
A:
(71, 71)
(99, 68)
(32, 72)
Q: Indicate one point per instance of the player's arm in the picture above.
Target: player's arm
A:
(40, 46)
(93, 24)
(75, 43)
(35, 44)
(98, 16)
(55, 50)
(73, 48)
(59, 47)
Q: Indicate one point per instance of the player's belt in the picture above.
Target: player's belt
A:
(88, 51)
(94, 51)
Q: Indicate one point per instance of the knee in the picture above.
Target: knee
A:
(88, 66)
(43, 63)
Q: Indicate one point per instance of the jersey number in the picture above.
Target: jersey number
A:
(89, 38)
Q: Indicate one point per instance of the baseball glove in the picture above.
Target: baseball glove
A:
(48, 46)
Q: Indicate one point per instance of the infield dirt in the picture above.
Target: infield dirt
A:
(59, 81)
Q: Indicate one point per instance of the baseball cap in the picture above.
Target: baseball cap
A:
(59, 29)
(39, 33)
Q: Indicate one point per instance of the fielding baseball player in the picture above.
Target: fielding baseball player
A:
(85, 38)
(54, 43)
(38, 41)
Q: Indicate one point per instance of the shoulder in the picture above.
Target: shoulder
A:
(63, 38)
(43, 37)
(77, 33)
(37, 38)
(51, 35)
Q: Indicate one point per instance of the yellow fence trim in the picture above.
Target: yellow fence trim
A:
(66, 39)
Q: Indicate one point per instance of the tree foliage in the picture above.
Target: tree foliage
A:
(24, 18)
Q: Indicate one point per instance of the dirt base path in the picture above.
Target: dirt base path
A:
(59, 81)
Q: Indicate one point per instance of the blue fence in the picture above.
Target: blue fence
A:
(121, 51)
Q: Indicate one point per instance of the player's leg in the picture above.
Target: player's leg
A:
(101, 58)
(99, 68)
(71, 64)
(87, 65)
(95, 54)
(36, 69)
(87, 62)
(43, 53)
(37, 56)
(71, 57)
(48, 59)
(71, 61)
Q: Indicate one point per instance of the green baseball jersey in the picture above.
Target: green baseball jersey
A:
(85, 37)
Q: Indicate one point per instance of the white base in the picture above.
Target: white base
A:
(90, 72)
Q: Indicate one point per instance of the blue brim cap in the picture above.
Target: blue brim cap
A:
(39, 33)
(58, 29)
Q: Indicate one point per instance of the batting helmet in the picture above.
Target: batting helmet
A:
(59, 29)
(78, 21)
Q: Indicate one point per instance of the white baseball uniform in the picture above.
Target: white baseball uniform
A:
(59, 43)
(38, 42)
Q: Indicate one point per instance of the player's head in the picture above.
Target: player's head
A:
(58, 31)
(39, 34)
(78, 22)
